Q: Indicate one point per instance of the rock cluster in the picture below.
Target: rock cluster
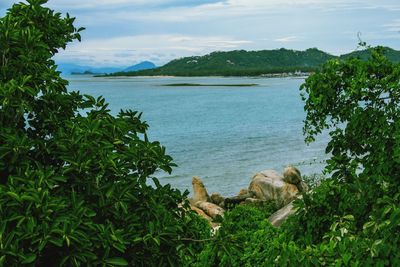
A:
(265, 186)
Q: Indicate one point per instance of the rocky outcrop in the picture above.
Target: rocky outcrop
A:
(265, 186)
(217, 199)
(201, 213)
(212, 210)
(281, 215)
(292, 175)
(239, 198)
(202, 201)
(268, 185)
(199, 191)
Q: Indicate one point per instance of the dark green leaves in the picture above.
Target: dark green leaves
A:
(358, 101)
(73, 177)
(117, 262)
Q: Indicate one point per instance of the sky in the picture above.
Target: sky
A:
(125, 32)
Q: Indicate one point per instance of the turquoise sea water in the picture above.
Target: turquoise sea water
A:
(222, 134)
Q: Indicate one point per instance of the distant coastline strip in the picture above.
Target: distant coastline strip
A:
(211, 85)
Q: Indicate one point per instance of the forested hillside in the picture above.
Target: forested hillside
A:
(251, 63)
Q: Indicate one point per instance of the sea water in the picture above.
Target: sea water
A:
(222, 134)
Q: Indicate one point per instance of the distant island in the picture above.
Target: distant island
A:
(270, 63)
(74, 69)
(145, 65)
(86, 72)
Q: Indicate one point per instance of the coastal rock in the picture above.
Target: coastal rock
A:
(267, 185)
(270, 186)
(292, 175)
(282, 214)
(214, 226)
(201, 200)
(239, 198)
(217, 199)
(201, 213)
(212, 210)
(199, 192)
(272, 174)
(243, 191)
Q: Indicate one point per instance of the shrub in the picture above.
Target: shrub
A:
(358, 100)
(73, 177)
(351, 218)
(228, 246)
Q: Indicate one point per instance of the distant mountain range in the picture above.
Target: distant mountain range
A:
(250, 63)
(145, 65)
(69, 68)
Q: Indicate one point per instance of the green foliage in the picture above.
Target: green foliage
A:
(73, 177)
(246, 238)
(353, 217)
(252, 63)
(319, 209)
(364, 54)
(241, 63)
(360, 101)
(229, 243)
(313, 180)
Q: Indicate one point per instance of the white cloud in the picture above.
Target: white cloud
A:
(79, 4)
(138, 6)
(122, 32)
(240, 8)
(394, 26)
(123, 51)
(287, 39)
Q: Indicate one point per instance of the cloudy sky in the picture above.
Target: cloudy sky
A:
(125, 32)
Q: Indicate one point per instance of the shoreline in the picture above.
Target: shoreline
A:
(271, 75)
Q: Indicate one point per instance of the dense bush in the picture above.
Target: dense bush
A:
(359, 101)
(73, 177)
(228, 245)
(353, 217)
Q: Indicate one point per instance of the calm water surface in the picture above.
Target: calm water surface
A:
(222, 134)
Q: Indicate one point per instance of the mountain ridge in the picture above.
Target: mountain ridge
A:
(250, 63)
(71, 68)
(144, 65)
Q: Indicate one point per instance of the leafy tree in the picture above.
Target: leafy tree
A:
(352, 218)
(73, 177)
(359, 100)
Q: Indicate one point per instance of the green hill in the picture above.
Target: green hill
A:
(391, 54)
(249, 63)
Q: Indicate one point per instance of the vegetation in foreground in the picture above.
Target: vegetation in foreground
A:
(73, 177)
(73, 188)
(353, 218)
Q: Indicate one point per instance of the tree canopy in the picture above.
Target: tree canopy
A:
(73, 177)
(358, 101)
(353, 217)
(253, 63)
